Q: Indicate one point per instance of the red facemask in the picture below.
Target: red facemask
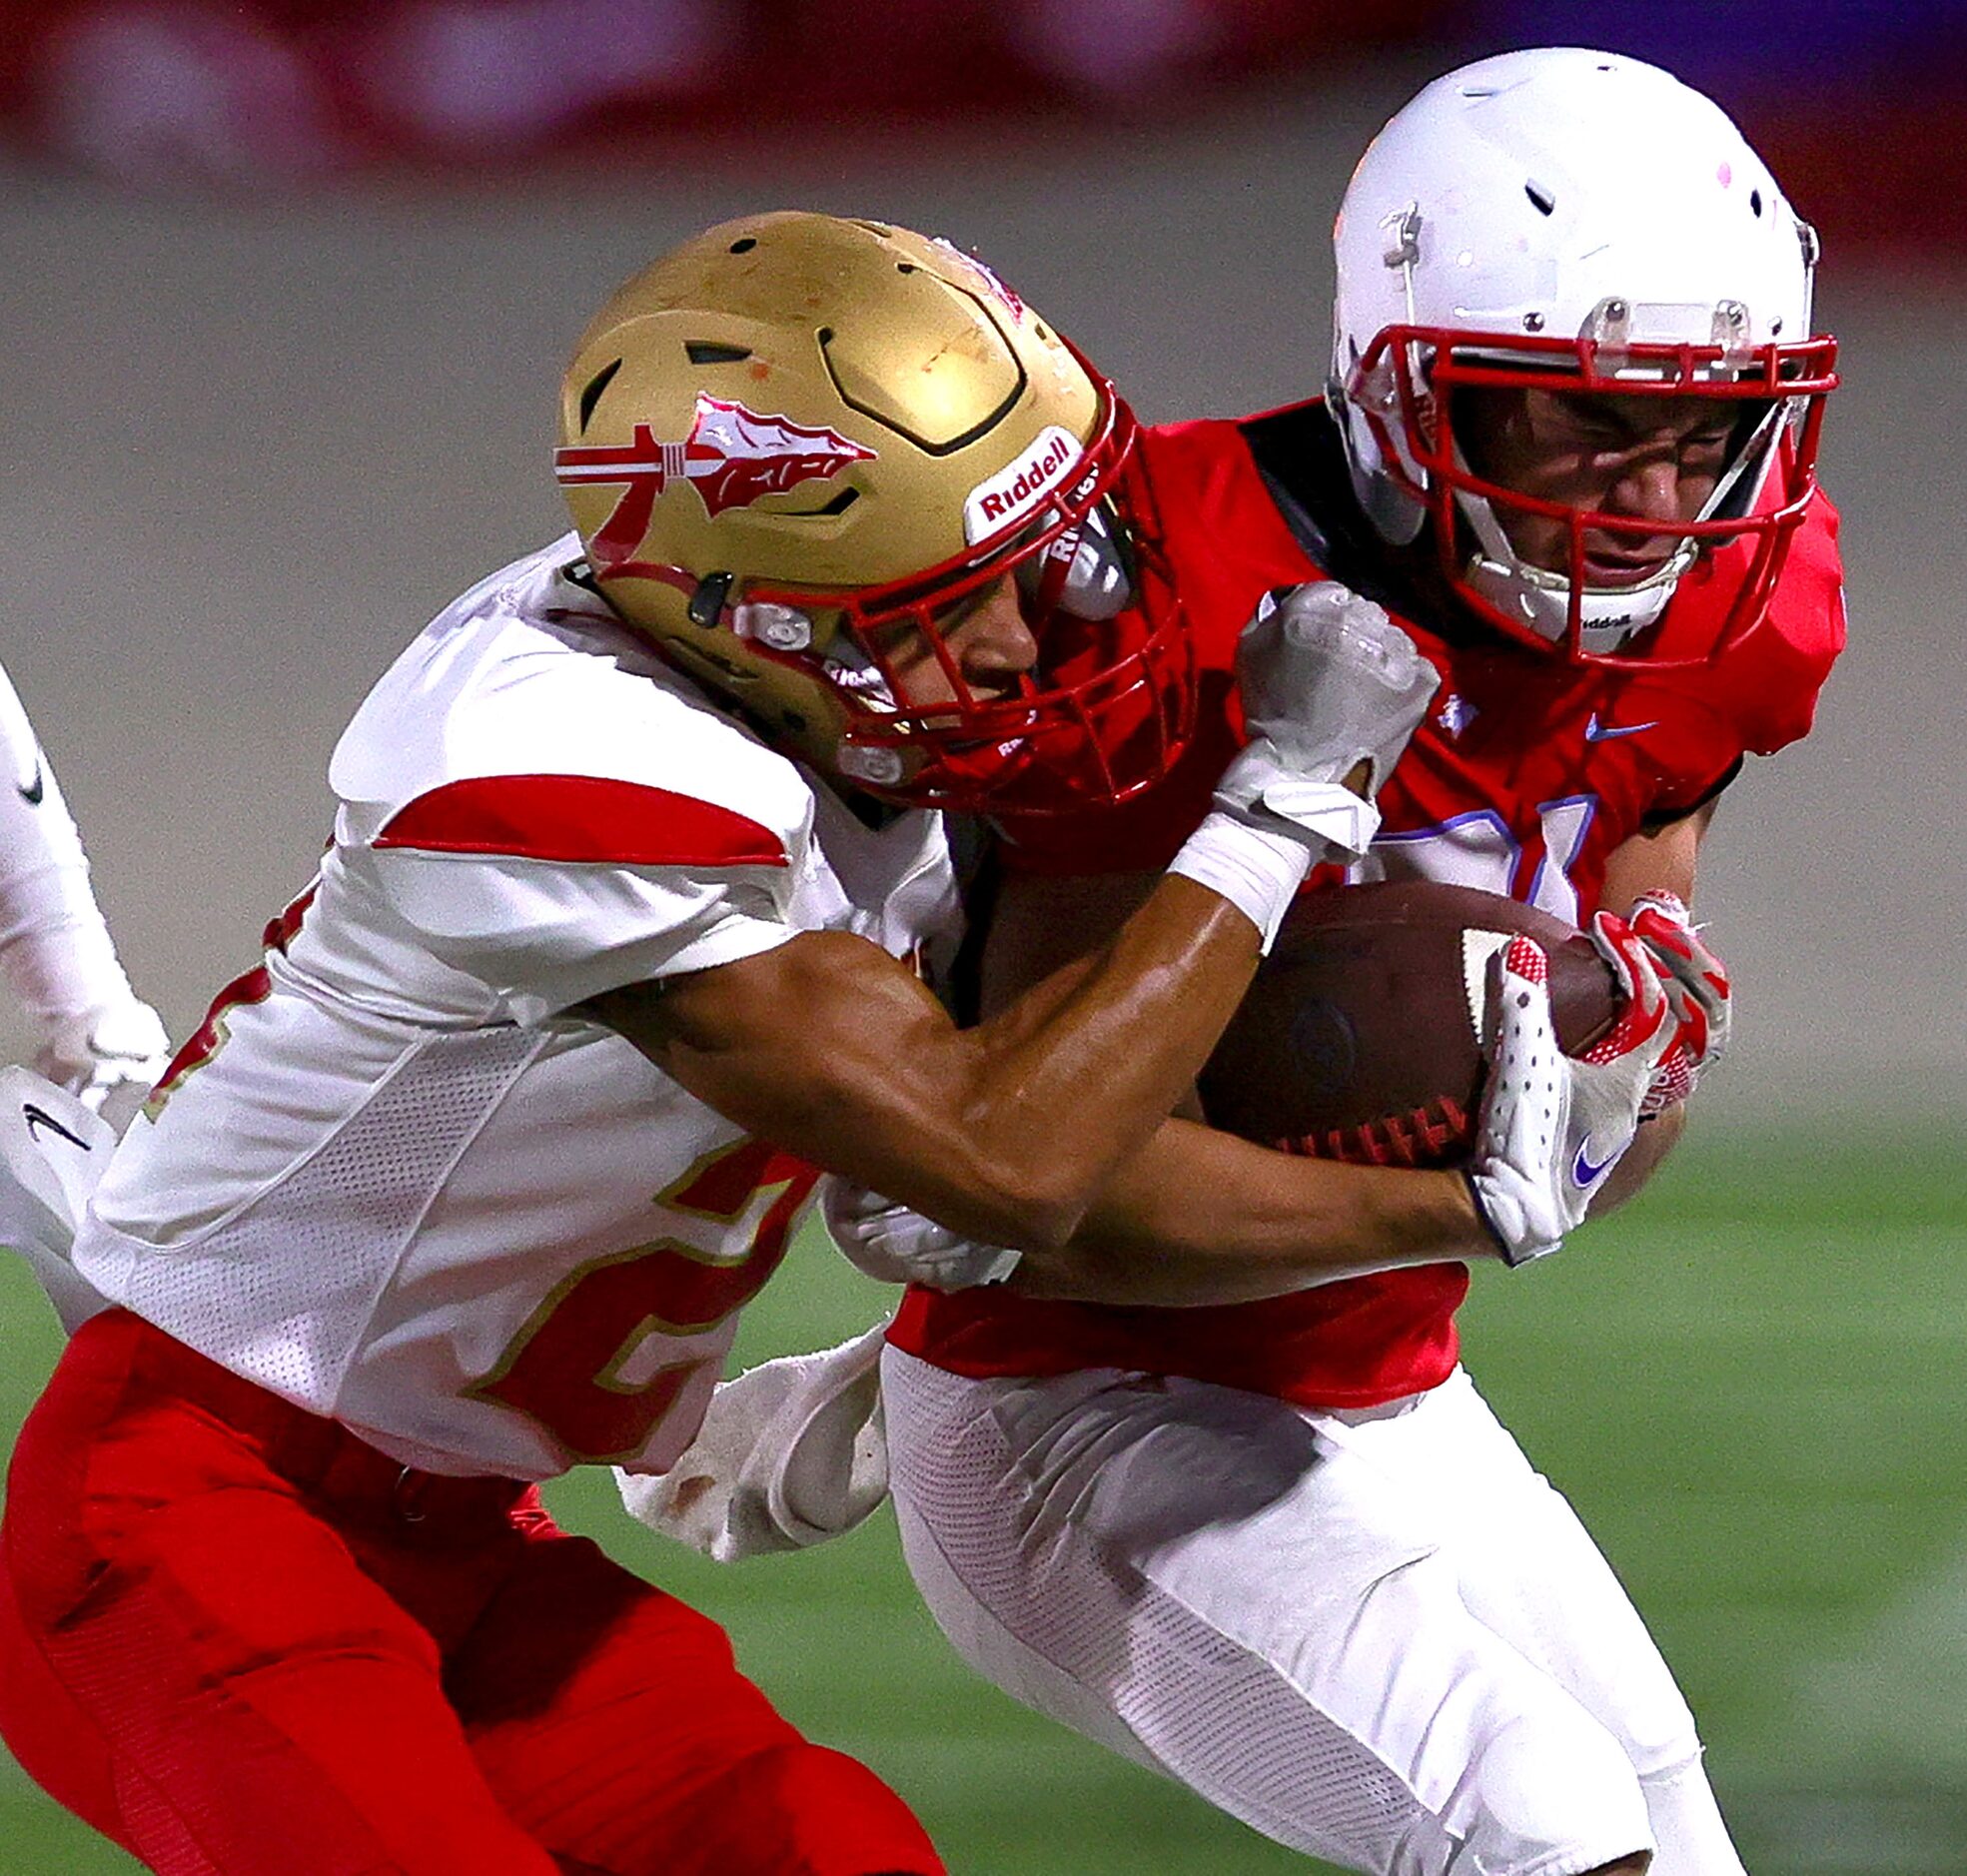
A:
(1760, 503)
(1110, 703)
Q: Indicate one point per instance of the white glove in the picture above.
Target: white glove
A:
(1697, 983)
(888, 1242)
(1329, 684)
(790, 1454)
(1553, 1126)
(1326, 682)
(52, 1153)
(110, 1057)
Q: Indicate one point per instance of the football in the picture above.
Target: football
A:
(1361, 1037)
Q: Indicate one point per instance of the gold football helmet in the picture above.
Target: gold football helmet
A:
(796, 438)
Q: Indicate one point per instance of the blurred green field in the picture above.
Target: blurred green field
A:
(1750, 1386)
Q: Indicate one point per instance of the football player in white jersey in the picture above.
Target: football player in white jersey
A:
(93, 1035)
(635, 854)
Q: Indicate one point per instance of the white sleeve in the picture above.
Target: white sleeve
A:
(543, 936)
(54, 947)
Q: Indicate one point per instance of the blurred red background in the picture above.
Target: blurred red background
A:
(1857, 106)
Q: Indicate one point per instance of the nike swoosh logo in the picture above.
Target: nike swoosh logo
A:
(32, 795)
(1582, 1172)
(1596, 731)
(34, 1116)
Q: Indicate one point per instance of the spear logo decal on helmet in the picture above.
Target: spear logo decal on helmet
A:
(732, 456)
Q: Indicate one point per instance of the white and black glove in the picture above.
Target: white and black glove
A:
(52, 1153)
(790, 1454)
(109, 1057)
(893, 1245)
(1552, 1126)
(1329, 684)
(1697, 983)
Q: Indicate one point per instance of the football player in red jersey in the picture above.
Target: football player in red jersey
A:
(1282, 1550)
(636, 857)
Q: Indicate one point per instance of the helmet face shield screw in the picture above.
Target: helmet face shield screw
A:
(781, 627)
(882, 767)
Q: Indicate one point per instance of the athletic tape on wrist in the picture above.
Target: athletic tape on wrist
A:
(1256, 871)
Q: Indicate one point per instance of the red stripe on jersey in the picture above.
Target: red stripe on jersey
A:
(582, 818)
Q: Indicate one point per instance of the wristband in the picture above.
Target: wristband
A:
(1256, 871)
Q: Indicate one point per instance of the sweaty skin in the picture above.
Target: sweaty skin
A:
(1643, 458)
(1197, 1214)
(1006, 1132)
(986, 638)
(839, 1053)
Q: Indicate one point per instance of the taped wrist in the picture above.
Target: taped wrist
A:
(1256, 871)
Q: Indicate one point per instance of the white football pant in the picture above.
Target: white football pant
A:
(1375, 1635)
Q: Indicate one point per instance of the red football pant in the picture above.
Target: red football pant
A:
(237, 1640)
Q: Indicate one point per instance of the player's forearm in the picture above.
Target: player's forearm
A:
(1077, 1072)
(55, 950)
(1200, 1217)
(1005, 1131)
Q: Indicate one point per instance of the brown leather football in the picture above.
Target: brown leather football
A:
(1361, 1037)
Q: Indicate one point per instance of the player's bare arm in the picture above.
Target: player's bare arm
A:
(1197, 1216)
(1662, 860)
(1005, 1131)
(1200, 1217)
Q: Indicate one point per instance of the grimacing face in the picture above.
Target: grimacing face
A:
(985, 634)
(1640, 458)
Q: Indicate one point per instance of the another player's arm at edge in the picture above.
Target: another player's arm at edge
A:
(1665, 860)
(1201, 1217)
(834, 1050)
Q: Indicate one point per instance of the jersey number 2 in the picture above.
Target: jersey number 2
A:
(570, 1367)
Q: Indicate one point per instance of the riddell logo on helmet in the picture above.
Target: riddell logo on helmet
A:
(1000, 499)
(731, 457)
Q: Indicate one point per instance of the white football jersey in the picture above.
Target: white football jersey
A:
(392, 1179)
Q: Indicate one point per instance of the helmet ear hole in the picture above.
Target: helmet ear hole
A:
(590, 394)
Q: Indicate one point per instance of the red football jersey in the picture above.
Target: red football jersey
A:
(1526, 774)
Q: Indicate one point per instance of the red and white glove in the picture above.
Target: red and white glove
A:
(1697, 982)
(1552, 1126)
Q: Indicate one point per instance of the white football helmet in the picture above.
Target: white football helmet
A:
(1560, 211)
